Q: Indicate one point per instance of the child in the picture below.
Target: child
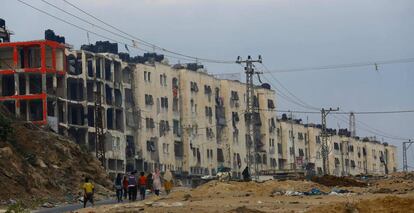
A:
(89, 190)
(142, 182)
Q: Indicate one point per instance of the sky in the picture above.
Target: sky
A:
(286, 33)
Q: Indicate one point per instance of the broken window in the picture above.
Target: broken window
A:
(118, 98)
(130, 146)
(35, 84)
(108, 73)
(108, 94)
(91, 116)
(151, 146)
(8, 86)
(336, 146)
(110, 118)
(336, 162)
(74, 65)
(300, 135)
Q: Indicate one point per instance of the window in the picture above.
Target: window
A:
(149, 100)
(165, 148)
(163, 80)
(300, 135)
(176, 128)
(164, 102)
(164, 127)
(151, 146)
(336, 162)
(178, 149)
(209, 133)
(193, 86)
(351, 148)
(336, 146)
(270, 104)
(352, 164)
(149, 77)
(318, 139)
(318, 155)
(291, 151)
(301, 152)
(145, 76)
(279, 148)
(175, 104)
(149, 123)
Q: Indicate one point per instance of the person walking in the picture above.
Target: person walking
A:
(89, 190)
(168, 181)
(125, 187)
(118, 187)
(132, 187)
(156, 181)
(142, 182)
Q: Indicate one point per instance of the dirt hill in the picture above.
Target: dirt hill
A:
(38, 164)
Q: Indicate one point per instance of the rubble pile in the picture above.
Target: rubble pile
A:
(37, 163)
(395, 183)
(329, 180)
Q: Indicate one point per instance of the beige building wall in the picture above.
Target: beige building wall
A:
(267, 142)
(153, 96)
(201, 155)
(232, 137)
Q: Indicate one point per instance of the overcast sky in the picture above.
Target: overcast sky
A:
(287, 33)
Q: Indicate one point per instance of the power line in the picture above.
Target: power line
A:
(92, 32)
(145, 42)
(288, 91)
(350, 65)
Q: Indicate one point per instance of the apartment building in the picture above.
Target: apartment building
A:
(300, 147)
(179, 117)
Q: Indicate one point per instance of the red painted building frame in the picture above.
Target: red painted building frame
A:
(42, 70)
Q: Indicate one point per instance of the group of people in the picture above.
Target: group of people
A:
(129, 185)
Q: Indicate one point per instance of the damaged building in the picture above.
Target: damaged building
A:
(154, 115)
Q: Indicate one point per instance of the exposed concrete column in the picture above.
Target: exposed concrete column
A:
(27, 83)
(17, 92)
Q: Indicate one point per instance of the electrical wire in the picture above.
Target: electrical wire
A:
(132, 37)
(92, 32)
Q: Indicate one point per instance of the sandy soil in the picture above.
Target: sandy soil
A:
(392, 194)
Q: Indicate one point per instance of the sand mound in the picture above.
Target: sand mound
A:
(384, 204)
(329, 180)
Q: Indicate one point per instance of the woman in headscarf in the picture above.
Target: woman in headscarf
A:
(156, 178)
(168, 181)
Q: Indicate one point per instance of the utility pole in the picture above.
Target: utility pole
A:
(324, 135)
(292, 137)
(406, 145)
(250, 108)
(352, 127)
(99, 135)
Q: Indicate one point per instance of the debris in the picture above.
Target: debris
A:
(48, 205)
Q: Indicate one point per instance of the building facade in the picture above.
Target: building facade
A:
(180, 118)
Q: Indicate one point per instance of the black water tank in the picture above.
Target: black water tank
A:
(2, 23)
(266, 86)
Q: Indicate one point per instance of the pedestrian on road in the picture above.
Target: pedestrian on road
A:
(118, 187)
(168, 181)
(125, 187)
(89, 190)
(132, 187)
(156, 181)
(142, 185)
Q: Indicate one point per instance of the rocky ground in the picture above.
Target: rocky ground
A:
(39, 167)
(394, 193)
